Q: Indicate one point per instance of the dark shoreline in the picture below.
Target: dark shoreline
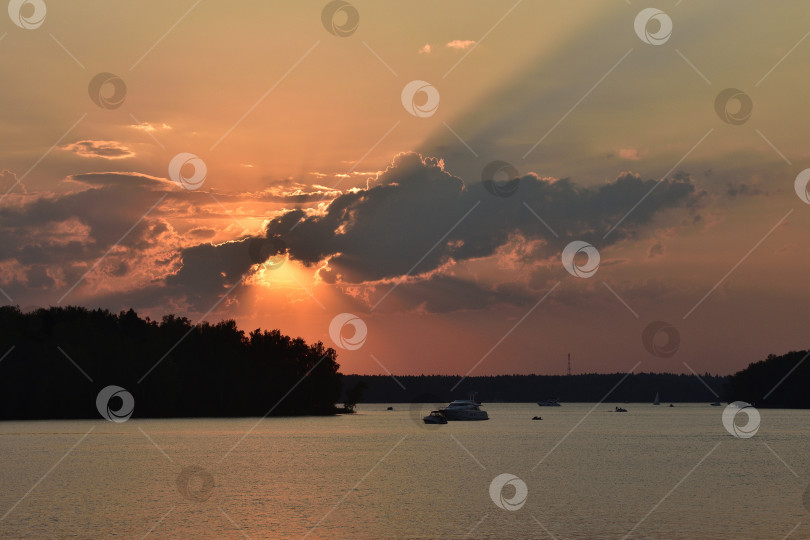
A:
(585, 388)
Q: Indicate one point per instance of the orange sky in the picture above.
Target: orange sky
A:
(301, 115)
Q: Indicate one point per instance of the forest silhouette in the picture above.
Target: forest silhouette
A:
(57, 360)
(776, 382)
(172, 368)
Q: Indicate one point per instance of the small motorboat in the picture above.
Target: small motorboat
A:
(671, 405)
(390, 409)
(537, 418)
(549, 403)
(620, 409)
(435, 417)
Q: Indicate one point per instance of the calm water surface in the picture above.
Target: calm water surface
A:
(383, 474)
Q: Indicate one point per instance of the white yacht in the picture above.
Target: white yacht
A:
(464, 409)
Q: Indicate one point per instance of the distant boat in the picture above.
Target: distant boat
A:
(715, 404)
(464, 409)
(656, 401)
(435, 417)
(390, 409)
(620, 409)
(537, 418)
(549, 403)
(671, 405)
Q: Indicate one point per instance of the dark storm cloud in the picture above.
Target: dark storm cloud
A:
(209, 270)
(55, 238)
(378, 232)
(114, 202)
(384, 230)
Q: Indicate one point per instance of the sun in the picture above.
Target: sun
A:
(281, 272)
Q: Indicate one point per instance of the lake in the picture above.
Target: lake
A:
(582, 472)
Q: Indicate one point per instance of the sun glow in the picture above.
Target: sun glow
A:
(283, 274)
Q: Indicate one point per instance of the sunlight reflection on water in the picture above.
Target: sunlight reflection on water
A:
(293, 473)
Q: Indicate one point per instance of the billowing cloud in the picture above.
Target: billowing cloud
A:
(417, 216)
(415, 225)
(102, 149)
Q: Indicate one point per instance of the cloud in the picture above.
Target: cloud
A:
(149, 128)
(102, 149)
(743, 189)
(416, 216)
(415, 224)
(633, 154)
(9, 182)
(202, 233)
(460, 44)
(122, 179)
(99, 234)
(108, 236)
(425, 49)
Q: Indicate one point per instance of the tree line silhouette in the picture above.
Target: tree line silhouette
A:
(776, 382)
(205, 370)
(589, 387)
(55, 361)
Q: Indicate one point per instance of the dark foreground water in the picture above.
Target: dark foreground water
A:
(581, 472)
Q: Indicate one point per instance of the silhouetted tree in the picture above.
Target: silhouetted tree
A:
(172, 368)
(777, 381)
(354, 395)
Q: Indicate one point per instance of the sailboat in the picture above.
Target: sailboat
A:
(657, 400)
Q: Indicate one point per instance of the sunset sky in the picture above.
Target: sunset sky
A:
(307, 139)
